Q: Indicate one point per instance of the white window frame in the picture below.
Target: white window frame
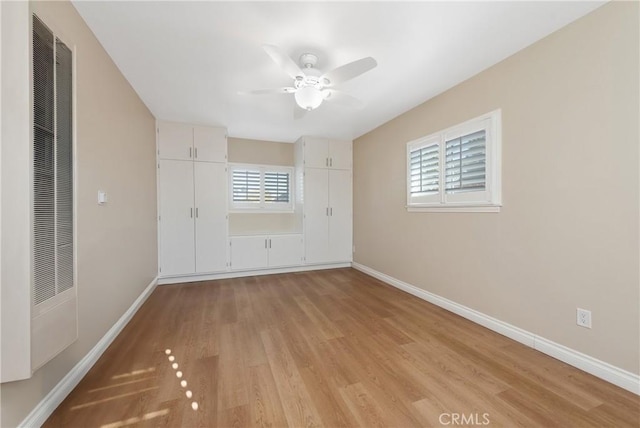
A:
(261, 206)
(487, 200)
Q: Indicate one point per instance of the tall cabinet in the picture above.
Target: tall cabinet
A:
(324, 198)
(192, 193)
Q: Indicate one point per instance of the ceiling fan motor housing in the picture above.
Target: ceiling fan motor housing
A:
(308, 60)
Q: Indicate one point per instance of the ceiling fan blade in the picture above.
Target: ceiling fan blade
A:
(268, 91)
(284, 61)
(344, 99)
(349, 71)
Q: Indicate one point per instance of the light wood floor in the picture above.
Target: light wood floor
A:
(327, 348)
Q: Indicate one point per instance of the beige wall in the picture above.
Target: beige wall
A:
(267, 153)
(568, 233)
(241, 150)
(116, 243)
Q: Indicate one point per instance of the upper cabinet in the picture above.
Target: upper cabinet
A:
(209, 144)
(178, 141)
(326, 153)
(175, 141)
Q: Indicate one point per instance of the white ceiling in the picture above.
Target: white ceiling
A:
(188, 60)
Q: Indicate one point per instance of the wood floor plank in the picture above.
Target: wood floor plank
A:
(394, 408)
(233, 382)
(236, 417)
(299, 409)
(384, 383)
(323, 391)
(434, 354)
(328, 329)
(325, 348)
(264, 401)
(363, 407)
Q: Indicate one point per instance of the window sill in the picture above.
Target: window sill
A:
(455, 209)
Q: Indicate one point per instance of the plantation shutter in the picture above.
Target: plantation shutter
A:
(246, 185)
(43, 164)
(52, 165)
(64, 167)
(276, 187)
(425, 169)
(466, 161)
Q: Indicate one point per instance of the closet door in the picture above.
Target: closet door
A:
(209, 144)
(177, 245)
(316, 152)
(175, 141)
(340, 216)
(340, 154)
(210, 216)
(316, 215)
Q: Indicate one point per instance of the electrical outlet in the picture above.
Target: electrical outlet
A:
(583, 318)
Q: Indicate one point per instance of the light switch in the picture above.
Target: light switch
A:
(102, 197)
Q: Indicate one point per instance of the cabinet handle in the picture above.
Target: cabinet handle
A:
(330, 211)
(196, 212)
(191, 212)
(269, 242)
(327, 213)
(190, 150)
(265, 243)
(330, 161)
(326, 161)
(196, 151)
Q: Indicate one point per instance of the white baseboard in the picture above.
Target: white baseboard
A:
(52, 400)
(178, 279)
(598, 368)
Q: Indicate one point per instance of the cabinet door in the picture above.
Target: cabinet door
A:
(175, 141)
(340, 216)
(177, 249)
(340, 154)
(211, 216)
(249, 252)
(316, 152)
(316, 215)
(209, 144)
(285, 250)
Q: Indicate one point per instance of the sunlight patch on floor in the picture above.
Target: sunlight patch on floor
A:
(115, 397)
(134, 420)
(134, 373)
(115, 385)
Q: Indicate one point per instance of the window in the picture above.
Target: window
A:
(457, 169)
(260, 187)
(52, 165)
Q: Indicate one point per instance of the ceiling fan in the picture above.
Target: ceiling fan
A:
(310, 86)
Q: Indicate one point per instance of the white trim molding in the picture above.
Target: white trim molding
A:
(598, 368)
(52, 400)
(179, 279)
(453, 209)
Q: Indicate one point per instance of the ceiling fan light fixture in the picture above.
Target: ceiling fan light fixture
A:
(308, 97)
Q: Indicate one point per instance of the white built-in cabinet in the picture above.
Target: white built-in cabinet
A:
(192, 197)
(179, 141)
(193, 217)
(326, 153)
(265, 251)
(325, 198)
